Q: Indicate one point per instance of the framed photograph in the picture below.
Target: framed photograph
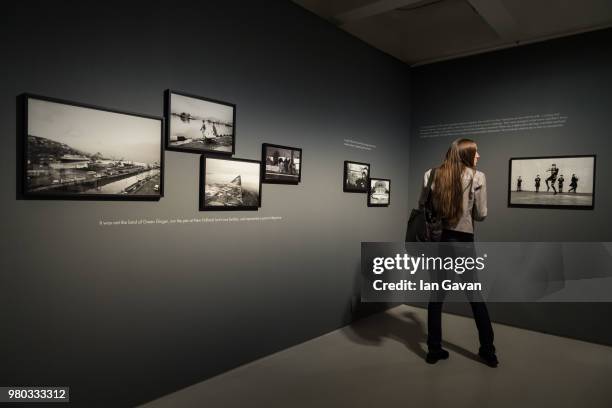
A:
(199, 125)
(281, 164)
(356, 177)
(379, 193)
(552, 182)
(229, 184)
(77, 151)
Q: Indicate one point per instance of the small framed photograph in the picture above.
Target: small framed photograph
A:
(281, 164)
(356, 177)
(552, 182)
(73, 151)
(229, 184)
(379, 193)
(199, 125)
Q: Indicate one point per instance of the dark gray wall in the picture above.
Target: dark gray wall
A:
(126, 314)
(570, 76)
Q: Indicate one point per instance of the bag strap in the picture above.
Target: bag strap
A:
(469, 186)
(425, 197)
(471, 195)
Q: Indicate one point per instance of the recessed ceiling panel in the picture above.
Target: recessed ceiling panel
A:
(417, 31)
(435, 30)
(550, 17)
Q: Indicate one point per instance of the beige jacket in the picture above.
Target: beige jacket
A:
(474, 200)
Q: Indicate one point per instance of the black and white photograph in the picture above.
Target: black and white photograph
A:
(379, 194)
(282, 164)
(199, 125)
(356, 177)
(77, 151)
(552, 182)
(229, 184)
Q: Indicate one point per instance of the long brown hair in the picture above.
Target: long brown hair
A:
(448, 191)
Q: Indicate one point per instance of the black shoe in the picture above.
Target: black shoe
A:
(434, 355)
(489, 358)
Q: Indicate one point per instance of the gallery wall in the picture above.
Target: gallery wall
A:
(126, 313)
(569, 77)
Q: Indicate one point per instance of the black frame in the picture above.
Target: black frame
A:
(23, 134)
(573, 207)
(168, 111)
(370, 188)
(263, 164)
(345, 188)
(203, 184)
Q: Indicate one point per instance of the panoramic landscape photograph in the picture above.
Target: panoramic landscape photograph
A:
(74, 151)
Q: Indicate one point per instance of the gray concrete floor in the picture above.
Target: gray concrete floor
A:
(378, 362)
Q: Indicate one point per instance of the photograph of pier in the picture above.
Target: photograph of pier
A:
(229, 184)
(283, 164)
(75, 151)
(199, 125)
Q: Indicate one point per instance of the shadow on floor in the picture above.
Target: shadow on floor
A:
(407, 329)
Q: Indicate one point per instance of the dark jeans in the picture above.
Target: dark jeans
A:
(479, 309)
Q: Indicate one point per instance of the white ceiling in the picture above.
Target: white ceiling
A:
(423, 31)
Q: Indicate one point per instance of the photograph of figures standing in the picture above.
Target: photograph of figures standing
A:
(199, 125)
(282, 164)
(552, 182)
(75, 151)
(379, 194)
(356, 177)
(229, 184)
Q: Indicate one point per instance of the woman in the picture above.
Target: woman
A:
(459, 197)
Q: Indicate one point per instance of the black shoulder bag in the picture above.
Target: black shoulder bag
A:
(423, 224)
